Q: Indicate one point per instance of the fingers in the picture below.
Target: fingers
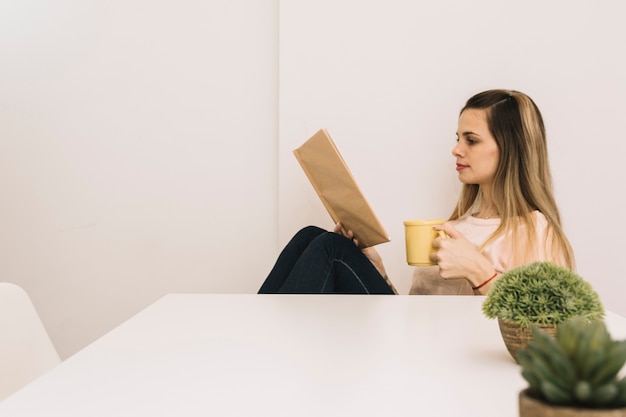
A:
(434, 258)
(340, 230)
(438, 241)
(443, 230)
(348, 234)
(448, 229)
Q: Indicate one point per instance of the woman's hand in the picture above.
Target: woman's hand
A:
(458, 257)
(341, 231)
(371, 253)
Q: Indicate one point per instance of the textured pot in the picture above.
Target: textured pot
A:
(530, 406)
(516, 336)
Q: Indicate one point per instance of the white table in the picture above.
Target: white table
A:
(272, 355)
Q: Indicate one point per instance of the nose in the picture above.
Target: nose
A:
(457, 150)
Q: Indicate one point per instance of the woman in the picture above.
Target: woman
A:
(506, 215)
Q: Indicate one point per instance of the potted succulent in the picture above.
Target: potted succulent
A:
(542, 294)
(576, 373)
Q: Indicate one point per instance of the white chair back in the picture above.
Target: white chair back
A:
(26, 351)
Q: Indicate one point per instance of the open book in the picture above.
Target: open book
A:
(324, 166)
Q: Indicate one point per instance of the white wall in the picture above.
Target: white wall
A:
(138, 139)
(137, 154)
(387, 79)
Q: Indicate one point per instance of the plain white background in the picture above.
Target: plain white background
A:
(137, 154)
(145, 146)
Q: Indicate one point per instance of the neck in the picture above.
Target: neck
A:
(487, 208)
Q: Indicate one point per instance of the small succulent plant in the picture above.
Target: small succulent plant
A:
(577, 368)
(543, 293)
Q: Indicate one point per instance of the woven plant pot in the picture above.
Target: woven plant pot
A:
(530, 406)
(516, 336)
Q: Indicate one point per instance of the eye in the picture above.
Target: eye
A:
(471, 141)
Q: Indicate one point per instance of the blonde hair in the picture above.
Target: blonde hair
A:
(522, 182)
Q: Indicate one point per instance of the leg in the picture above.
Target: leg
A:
(332, 263)
(288, 258)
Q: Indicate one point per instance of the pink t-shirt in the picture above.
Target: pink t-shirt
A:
(499, 252)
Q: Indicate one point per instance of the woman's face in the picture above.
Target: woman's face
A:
(476, 151)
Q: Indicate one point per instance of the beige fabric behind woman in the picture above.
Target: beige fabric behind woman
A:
(426, 279)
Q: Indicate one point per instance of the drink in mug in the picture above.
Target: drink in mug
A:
(419, 235)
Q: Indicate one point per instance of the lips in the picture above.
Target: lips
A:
(460, 167)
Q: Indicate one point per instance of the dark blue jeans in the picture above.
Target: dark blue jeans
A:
(316, 261)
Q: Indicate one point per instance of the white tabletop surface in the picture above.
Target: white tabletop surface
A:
(289, 355)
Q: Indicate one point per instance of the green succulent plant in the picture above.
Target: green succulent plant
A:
(577, 368)
(543, 293)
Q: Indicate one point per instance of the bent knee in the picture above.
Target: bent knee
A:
(332, 238)
(310, 232)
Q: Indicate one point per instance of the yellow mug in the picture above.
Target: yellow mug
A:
(419, 235)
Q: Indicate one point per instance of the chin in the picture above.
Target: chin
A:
(465, 181)
(469, 182)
